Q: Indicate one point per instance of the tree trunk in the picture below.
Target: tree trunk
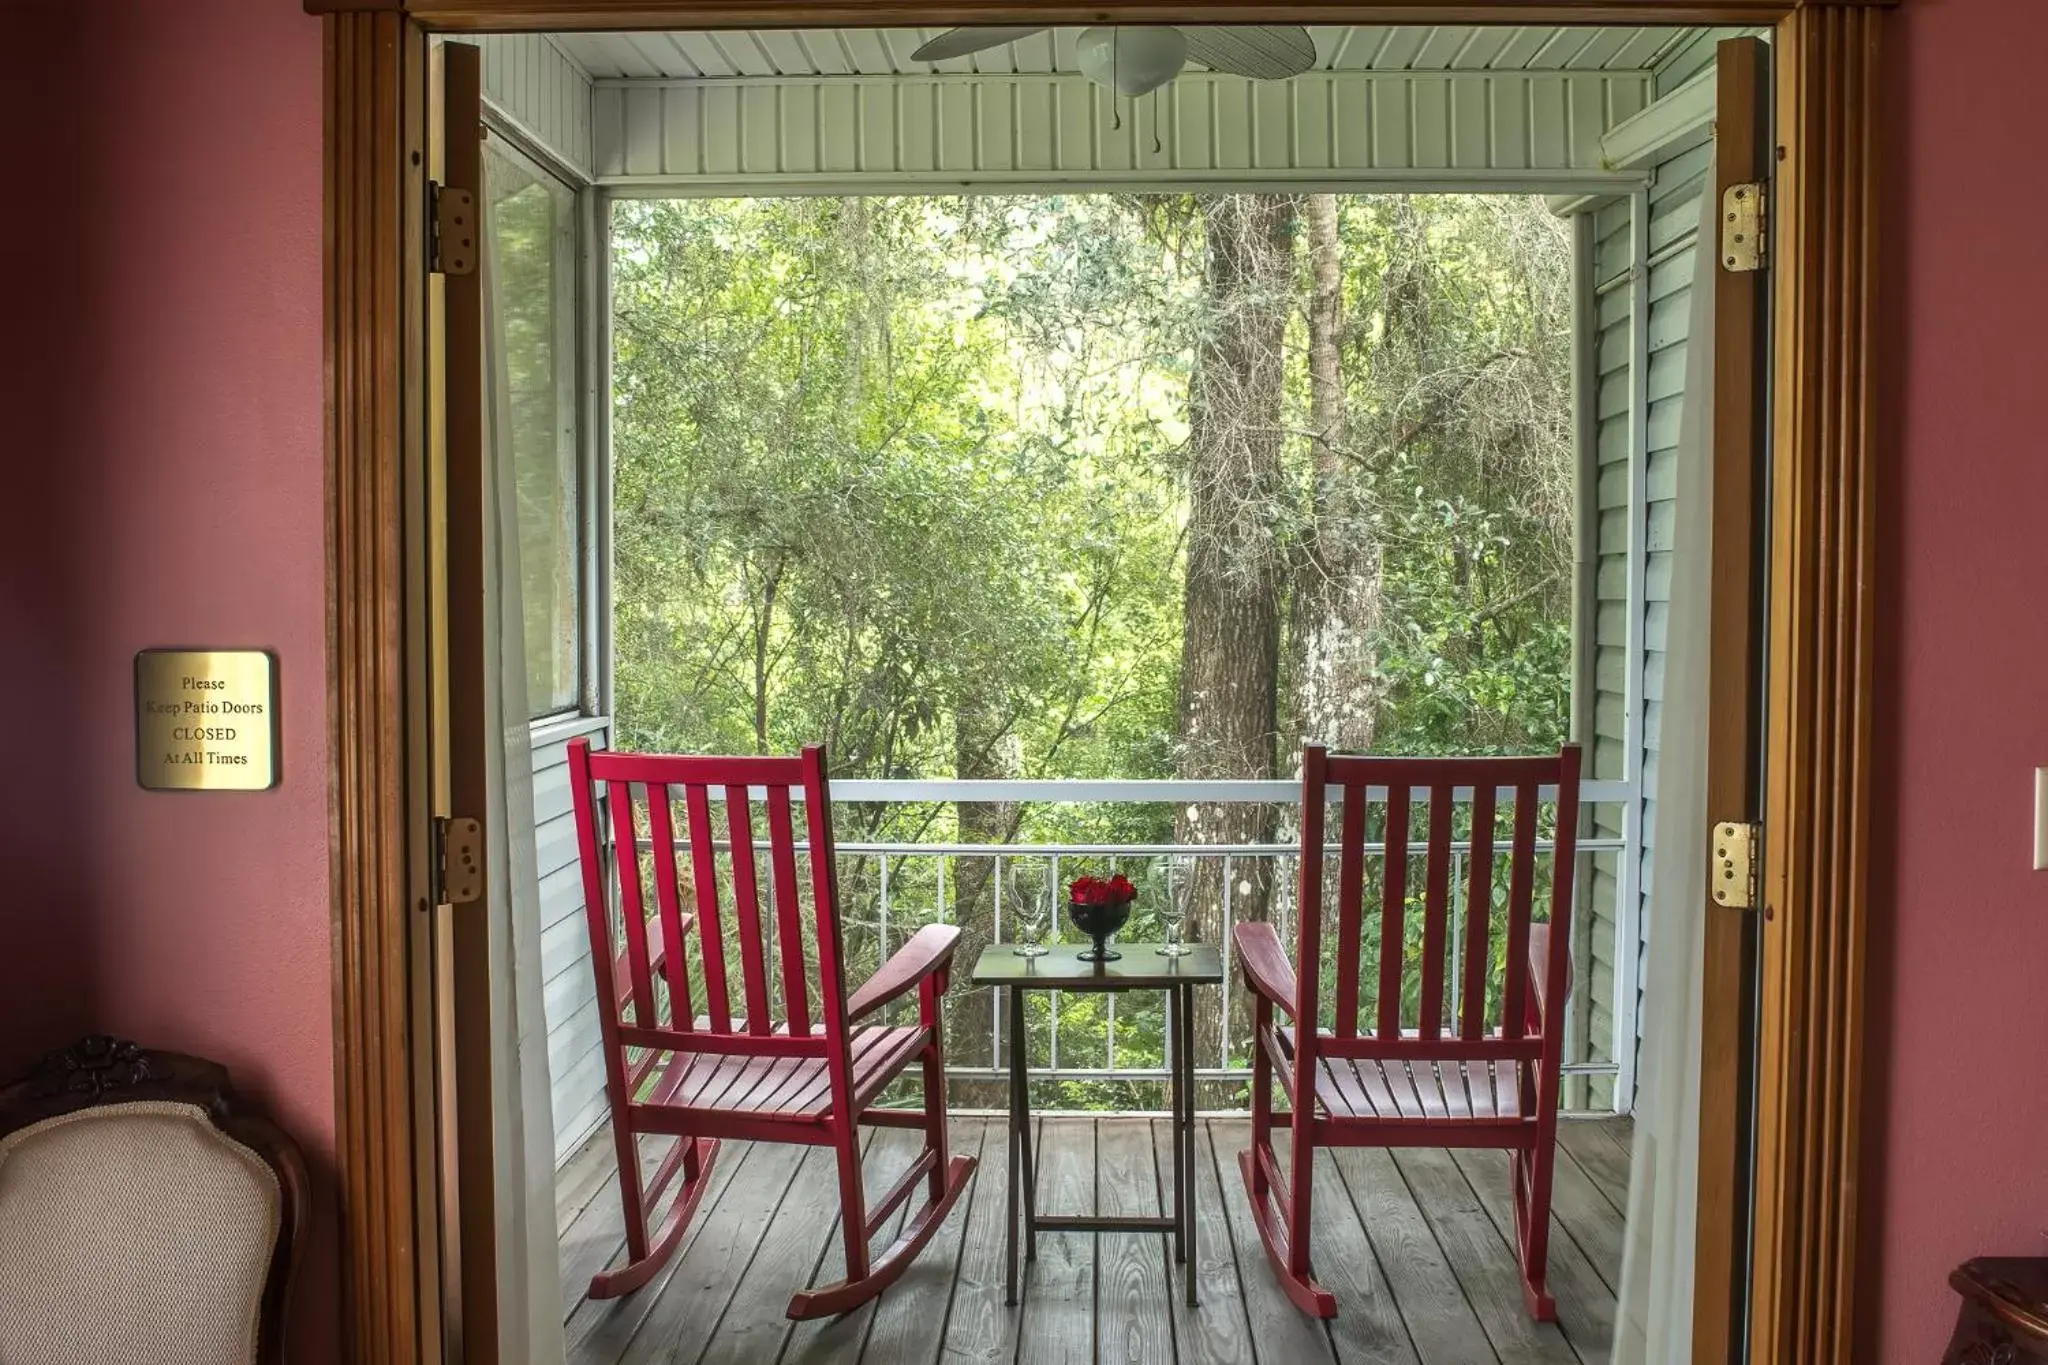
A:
(1334, 602)
(1230, 653)
(1336, 599)
(982, 749)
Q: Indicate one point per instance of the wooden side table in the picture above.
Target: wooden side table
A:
(1142, 967)
(2004, 1317)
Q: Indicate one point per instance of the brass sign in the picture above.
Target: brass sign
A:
(205, 720)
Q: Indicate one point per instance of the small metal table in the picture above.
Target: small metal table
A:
(1142, 967)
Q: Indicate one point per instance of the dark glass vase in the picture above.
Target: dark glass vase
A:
(1099, 922)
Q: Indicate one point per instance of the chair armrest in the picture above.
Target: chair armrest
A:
(1539, 969)
(1264, 963)
(929, 952)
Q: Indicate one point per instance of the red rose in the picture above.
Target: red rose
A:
(1086, 891)
(1120, 889)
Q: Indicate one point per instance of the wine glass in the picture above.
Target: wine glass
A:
(1032, 918)
(1173, 915)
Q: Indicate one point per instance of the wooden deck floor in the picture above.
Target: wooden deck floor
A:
(1414, 1244)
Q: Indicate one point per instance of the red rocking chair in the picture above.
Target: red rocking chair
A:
(1414, 1077)
(771, 1073)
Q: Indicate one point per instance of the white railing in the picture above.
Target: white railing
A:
(880, 911)
(889, 859)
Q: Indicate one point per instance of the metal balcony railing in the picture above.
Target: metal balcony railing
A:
(891, 887)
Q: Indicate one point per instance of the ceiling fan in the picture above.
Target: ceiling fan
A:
(1134, 60)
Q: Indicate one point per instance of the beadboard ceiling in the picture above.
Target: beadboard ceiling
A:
(805, 53)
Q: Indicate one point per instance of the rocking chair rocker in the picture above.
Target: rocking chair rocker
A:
(771, 1074)
(1418, 1079)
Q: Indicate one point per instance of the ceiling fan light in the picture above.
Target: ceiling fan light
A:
(1131, 61)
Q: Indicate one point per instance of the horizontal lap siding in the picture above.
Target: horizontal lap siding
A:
(996, 130)
(1674, 209)
(533, 85)
(569, 987)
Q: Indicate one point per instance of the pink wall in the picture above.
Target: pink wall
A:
(160, 365)
(163, 399)
(1960, 1027)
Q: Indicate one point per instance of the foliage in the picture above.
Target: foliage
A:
(907, 476)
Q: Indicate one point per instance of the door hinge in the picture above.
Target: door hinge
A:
(455, 231)
(1733, 866)
(1744, 214)
(458, 860)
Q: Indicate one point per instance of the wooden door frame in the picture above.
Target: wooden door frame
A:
(1820, 526)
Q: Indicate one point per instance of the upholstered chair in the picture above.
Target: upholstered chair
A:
(143, 1220)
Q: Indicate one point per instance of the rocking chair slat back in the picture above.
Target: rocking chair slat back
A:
(1483, 976)
(668, 895)
(1393, 905)
(788, 919)
(710, 923)
(1478, 916)
(746, 900)
(1521, 892)
(633, 909)
(696, 865)
(1351, 899)
(1436, 911)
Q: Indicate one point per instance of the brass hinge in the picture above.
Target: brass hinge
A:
(1744, 211)
(455, 231)
(458, 860)
(1733, 867)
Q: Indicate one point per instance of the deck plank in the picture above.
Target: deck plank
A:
(911, 1318)
(1281, 1333)
(980, 1328)
(746, 1179)
(1368, 1324)
(1434, 1309)
(713, 1270)
(589, 1168)
(1482, 1259)
(756, 1320)
(1593, 1221)
(1415, 1244)
(1216, 1332)
(1058, 1313)
(1600, 1154)
(1133, 1293)
(1585, 1305)
(889, 1152)
(597, 1238)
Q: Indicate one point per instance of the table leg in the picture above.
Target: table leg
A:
(1016, 1163)
(1184, 1192)
(1176, 1007)
(1020, 1108)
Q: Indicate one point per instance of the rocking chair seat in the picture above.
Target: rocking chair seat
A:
(1417, 1093)
(797, 1088)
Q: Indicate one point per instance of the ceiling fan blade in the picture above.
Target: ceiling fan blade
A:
(1264, 52)
(961, 41)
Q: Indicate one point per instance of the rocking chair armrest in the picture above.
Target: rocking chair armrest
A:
(929, 952)
(1539, 968)
(1265, 965)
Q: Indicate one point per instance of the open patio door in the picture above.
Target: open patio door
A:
(1744, 157)
(456, 533)
(494, 1150)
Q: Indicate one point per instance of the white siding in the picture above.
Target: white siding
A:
(1450, 130)
(1634, 408)
(543, 95)
(569, 987)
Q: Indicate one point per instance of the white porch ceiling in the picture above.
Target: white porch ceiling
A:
(814, 53)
